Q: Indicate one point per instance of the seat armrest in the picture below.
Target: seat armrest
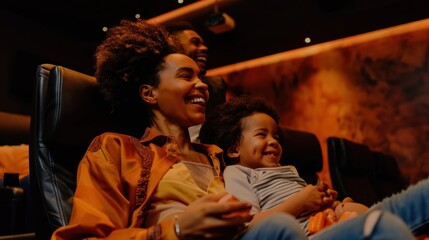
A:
(25, 236)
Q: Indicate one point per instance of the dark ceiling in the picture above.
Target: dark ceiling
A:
(67, 32)
(263, 27)
(89, 16)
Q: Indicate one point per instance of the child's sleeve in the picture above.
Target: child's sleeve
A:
(237, 183)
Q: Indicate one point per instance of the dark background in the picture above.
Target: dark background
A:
(67, 32)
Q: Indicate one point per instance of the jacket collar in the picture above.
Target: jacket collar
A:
(154, 136)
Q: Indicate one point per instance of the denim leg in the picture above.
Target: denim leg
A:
(375, 225)
(411, 205)
(276, 227)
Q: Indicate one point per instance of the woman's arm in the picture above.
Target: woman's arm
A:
(104, 201)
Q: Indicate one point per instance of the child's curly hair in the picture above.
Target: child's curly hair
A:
(223, 125)
(131, 55)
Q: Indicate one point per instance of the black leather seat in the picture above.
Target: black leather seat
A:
(302, 149)
(364, 175)
(68, 113)
(388, 178)
(16, 203)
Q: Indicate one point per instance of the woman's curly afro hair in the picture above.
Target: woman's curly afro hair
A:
(131, 55)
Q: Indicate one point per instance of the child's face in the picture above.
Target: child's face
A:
(259, 145)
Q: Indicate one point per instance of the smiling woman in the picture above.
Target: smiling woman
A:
(182, 87)
(161, 186)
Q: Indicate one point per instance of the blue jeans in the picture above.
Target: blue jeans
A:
(392, 218)
(411, 205)
(275, 227)
(399, 215)
(376, 225)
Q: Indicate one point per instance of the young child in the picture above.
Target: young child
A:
(247, 130)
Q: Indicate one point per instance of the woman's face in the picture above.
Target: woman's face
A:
(181, 96)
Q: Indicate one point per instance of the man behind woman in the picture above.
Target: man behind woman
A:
(194, 47)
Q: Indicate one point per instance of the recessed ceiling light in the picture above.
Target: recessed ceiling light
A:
(137, 16)
(307, 40)
(180, 1)
(105, 29)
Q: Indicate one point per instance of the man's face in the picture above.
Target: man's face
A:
(194, 47)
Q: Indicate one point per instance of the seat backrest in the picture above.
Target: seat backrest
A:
(68, 113)
(302, 149)
(388, 178)
(360, 173)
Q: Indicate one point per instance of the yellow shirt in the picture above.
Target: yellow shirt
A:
(184, 183)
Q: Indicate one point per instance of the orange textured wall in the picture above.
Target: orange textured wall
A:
(372, 89)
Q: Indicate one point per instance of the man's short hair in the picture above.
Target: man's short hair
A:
(180, 26)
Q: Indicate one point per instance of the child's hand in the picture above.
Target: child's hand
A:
(312, 197)
(331, 195)
(330, 199)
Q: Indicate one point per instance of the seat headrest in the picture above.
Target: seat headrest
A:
(77, 111)
(356, 157)
(302, 150)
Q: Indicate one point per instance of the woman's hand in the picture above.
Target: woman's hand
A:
(208, 218)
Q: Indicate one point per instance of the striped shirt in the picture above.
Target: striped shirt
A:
(264, 188)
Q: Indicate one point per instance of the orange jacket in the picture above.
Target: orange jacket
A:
(116, 178)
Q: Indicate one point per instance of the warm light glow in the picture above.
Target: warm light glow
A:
(318, 48)
(137, 16)
(180, 1)
(307, 40)
(368, 88)
(104, 29)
